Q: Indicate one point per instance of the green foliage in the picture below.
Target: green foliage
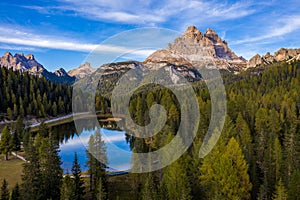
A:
(176, 182)
(294, 186)
(23, 95)
(42, 174)
(32, 179)
(97, 161)
(280, 193)
(149, 190)
(78, 181)
(50, 168)
(15, 194)
(17, 134)
(6, 142)
(4, 191)
(224, 173)
(67, 191)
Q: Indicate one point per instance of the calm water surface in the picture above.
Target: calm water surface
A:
(118, 150)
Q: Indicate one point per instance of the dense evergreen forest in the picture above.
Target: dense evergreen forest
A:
(256, 157)
(258, 154)
(26, 95)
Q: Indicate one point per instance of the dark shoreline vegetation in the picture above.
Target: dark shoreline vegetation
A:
(257, 156)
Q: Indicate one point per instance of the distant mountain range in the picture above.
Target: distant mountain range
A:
(27, 63)
(179, 57)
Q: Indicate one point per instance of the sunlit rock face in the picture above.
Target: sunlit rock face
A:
(280, 55)
(22, 63)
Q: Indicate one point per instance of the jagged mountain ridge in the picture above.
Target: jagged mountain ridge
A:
(186, 52)
(193, 46)
(179, 58)
(22, 63)
(282, 54)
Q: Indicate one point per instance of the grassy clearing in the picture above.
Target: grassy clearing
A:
(11, 170)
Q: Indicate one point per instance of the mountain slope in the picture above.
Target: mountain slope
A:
(27, 63)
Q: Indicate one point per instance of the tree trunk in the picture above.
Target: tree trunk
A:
(6, 156)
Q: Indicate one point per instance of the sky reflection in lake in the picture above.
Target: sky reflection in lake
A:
(118, 150)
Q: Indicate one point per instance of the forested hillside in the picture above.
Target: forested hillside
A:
(24, 95)
(258, 154)
(256, 157)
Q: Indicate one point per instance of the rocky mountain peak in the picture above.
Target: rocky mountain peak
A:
(30, 57)
(60, 72)
(82, 71)
(27, 63)
(7, 54)
(85, 65)
(213, 36)
(193, 46)
(193, 33)
(282, 54)
(210, 31)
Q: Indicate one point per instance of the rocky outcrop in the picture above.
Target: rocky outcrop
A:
(82, 71)
(165, 56)
(60, 72)
(193, 46)
(19, 62)
(280, 55)
(27, 63)
(254, 61)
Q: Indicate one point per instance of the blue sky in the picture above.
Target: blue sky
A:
(61, 33)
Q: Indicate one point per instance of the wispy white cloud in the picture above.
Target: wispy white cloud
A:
(150, 12)
(17, 47)
(281, 27)
(23, 40)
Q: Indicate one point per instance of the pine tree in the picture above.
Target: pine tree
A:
(101, 193)
(78, 182)
(291, 145)
(32, 179)
(224, 173)
(280, 193)
(15, 194)
(277, 154)
(5, 142)
(244, 137)
(50, 168)
(97, 161)
(16, 143)
(176, 182)
(67, 191)
(294, 186)
(149, 190)
(4, 191)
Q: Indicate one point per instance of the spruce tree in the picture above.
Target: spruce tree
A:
(149, 190)
(97, 161)
(32, 179)
(78, 181)
(4, 190)
(15, 194)
(176, 182)
(224, 173)
(6, 142)
(50, 168)
(294, 186)
(67, 191)
(280, 193)
(100, 193)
